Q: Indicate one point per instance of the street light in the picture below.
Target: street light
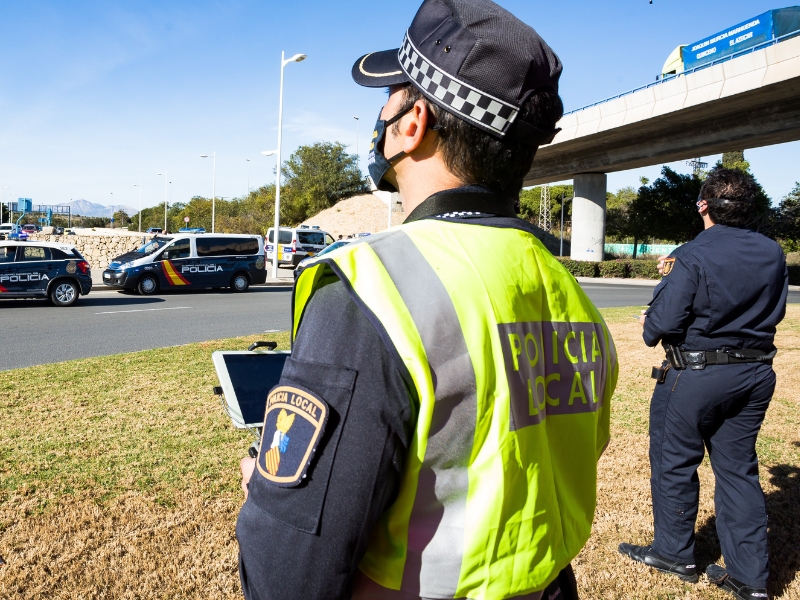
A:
(5, 187)
(248, 176)
(139, 185)
(276, 236)
(356, 118)
(213, 188)
(166, 187)
(112, 209)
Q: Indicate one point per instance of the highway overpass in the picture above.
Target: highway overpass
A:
(748, 101)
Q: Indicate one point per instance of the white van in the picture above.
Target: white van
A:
(7, 229)
(297, 243)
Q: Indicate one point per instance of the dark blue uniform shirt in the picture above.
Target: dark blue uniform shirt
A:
(707, 302)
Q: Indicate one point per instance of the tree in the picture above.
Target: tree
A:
(531, 198)
(734, 160)
(666, 208)
(316, 177)
(121, 218)
(618, 224)
(785, 222)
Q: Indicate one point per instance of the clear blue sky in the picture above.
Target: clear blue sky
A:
(98, 96)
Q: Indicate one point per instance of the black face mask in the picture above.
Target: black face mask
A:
(377, 163)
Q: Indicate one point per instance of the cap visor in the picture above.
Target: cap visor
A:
(379, 69)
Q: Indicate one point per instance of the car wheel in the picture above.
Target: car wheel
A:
(64, 293)
(240, 283)
(147, 285)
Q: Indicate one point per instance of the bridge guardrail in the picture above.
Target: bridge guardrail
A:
(760, 46)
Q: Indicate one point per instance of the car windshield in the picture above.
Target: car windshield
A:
(154, 245)
(333, 246)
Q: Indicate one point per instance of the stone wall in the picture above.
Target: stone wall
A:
(100, 249)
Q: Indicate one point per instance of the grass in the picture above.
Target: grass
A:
(119, 478)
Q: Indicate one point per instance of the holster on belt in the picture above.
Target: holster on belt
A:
(660, 373)
(674, 356)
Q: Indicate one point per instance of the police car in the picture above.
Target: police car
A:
(190, 261)
(297, 243)
(43, 270)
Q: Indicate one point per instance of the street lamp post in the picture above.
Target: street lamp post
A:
(166, 188)
(356, 118)
(139, 185)
(5, 187)
(277, 228)
(248, 176)
(213, 188)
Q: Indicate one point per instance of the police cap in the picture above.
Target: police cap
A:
(472, 58)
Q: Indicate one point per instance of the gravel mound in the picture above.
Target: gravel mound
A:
(359, 214)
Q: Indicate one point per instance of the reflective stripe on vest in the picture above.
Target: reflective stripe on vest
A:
(513, 368)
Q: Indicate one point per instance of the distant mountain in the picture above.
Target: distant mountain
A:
(90, 209)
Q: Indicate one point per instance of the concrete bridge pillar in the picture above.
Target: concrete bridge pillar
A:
(589, 217)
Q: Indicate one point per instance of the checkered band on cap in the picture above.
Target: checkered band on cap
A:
(464, 100)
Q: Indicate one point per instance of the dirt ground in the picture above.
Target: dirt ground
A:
(169, 532)
(359, 214)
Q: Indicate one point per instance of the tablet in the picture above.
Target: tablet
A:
(246, 379)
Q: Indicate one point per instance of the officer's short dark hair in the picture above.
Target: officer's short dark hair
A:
(480, 158)
(731, 196)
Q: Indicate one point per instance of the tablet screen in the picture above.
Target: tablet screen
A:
(250, 376)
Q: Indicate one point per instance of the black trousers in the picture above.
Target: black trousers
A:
(721, 409)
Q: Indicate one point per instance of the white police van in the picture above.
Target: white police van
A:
(43, 270)
(190, 261)
(297, 243)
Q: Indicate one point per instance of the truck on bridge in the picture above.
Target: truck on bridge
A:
(778, 24)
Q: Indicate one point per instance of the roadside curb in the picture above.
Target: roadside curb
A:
(619, 281)
(269, 283)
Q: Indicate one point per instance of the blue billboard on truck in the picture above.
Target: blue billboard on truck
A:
(770, 25)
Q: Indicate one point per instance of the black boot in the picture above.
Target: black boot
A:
(720, 577)
(648, 556)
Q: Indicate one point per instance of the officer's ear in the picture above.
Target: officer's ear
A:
(414, 126)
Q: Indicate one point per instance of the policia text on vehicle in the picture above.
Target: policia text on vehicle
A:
(466, 378)
(189, 261)
(43, 270)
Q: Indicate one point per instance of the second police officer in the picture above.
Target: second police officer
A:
(436, 431)
(715, 311)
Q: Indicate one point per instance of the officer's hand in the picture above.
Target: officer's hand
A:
(644, 314)
(661, 260)
(247, 465)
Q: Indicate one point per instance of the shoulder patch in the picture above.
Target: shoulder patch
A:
(293, 426)
(668, 264)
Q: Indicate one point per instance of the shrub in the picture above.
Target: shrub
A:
(615, 268)
(579, 268)
(644, 269)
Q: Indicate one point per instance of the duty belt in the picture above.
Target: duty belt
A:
(697, 360)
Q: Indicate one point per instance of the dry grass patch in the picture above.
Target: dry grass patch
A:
(118, 479)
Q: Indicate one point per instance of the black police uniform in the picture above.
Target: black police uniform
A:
(306, 542)
(726, 291)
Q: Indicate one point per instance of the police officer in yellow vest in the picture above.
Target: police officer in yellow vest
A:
(436, 431)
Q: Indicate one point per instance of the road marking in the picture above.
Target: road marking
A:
(116, 312)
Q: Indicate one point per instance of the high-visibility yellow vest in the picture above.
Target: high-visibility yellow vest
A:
(511, 370)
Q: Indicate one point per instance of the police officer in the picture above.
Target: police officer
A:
(715, 311)
(436, 430)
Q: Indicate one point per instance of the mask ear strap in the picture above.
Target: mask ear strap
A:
(395, 157)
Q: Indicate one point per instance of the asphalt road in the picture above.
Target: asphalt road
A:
(33, 332)
(108, 322)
